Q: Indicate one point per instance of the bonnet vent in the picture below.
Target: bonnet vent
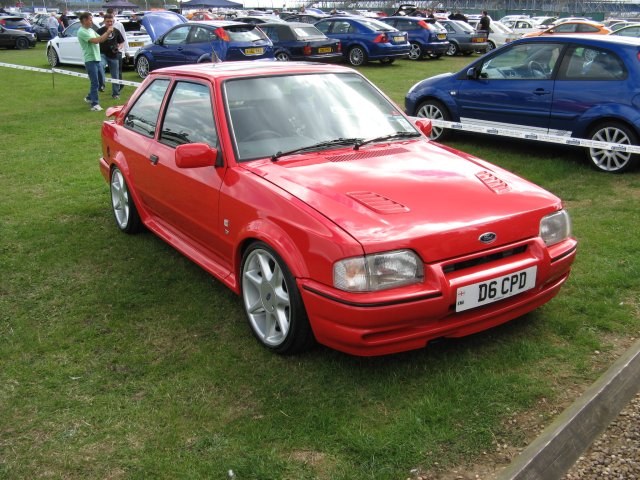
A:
(378, 203)
(494, 183)
(368, 154)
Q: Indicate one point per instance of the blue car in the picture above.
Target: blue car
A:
(301, 41)
(582, 86)
(13, 22)
(365, 39)
(196, 42)
(427, 37)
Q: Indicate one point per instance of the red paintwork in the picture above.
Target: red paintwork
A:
(308, 209)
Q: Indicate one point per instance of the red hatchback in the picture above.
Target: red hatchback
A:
(307, 191)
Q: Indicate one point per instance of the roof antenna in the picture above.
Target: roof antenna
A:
(214, 57)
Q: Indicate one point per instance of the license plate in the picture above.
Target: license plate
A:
(136, 44)
(253, 51)
(398, 39)
(442, 36)
(489, 291)
(477, 40)
(325, 50)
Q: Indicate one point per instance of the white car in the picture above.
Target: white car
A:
(66, 47)
(522, 26)
(499, 34)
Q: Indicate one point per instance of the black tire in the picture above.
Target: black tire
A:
(142, 66)
(357, 56)
(22, 43)
(282, 56)
(52, 57)
(272, 301)
(612, 161)
(453, 49)
(122, 204)
(416, 52)
(387, 61)
(434, 109)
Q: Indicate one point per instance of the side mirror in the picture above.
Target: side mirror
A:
(472, 73)
(195, 155)
(424, 125)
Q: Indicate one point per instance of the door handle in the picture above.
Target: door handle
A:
(541, 91)
(154, 159)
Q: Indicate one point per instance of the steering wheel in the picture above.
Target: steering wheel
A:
(262, 135)
(537, 70)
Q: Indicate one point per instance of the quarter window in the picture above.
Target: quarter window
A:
(582, 63)
(143, 116)
(189, 117)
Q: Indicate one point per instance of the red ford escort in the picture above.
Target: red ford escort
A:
(308, 192)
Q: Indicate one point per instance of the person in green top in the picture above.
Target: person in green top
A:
(89, 41)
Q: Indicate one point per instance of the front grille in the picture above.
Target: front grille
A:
(454, 267)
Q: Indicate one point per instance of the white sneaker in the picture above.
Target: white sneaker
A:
(96, 108)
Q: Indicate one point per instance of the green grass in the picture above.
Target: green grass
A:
(119, 358)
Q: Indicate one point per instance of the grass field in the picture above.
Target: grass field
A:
(119, 358)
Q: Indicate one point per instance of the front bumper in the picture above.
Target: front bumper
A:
(370, 324)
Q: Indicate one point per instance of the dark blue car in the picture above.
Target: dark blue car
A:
(301, 41)
(196, 42)
(582, 86)
(428, 38)
(365, 39)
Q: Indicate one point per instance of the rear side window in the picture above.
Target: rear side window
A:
(201, 35)
(189, 116)
(143, 116)
(407, 25)
(581, 63)
(245, 33)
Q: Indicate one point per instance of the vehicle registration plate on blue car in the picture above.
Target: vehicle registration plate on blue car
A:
(489, 291)
(398, 39)
(253, 51)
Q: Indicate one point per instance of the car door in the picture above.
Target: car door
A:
(199, 43)
(170, 51)
(69, 46)
(185, 199)
(586, 77)
(513, 86)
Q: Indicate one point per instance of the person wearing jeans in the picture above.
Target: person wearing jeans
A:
(109, 50)
(89, 41)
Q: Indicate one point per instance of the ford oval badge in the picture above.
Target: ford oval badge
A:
(488, 237)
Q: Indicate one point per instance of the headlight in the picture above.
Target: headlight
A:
(378, 272)
(555, 227)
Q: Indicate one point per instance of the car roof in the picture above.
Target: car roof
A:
(218, 23)
(240, 69)
(590, 39)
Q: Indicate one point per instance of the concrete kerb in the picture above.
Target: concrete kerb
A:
(558, 447)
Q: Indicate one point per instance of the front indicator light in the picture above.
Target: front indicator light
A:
(380, 271)
(555, 227)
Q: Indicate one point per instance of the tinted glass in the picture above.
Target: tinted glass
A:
(177, 36)
(143, 116)
(202, 35)
(189, 117)
(591, 63)
(245, 33)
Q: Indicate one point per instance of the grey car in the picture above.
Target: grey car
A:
(463, 38)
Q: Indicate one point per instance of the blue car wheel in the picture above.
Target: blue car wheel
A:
(416, 51)
(357, 56)
(142, 66)
(434, 110)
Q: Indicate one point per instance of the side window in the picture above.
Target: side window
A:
(341, 27)
(449, 28)
(523, 62)
(566, 28)
(582, 63)
(177, 36)
(72, 31)
(272, 33)
(584, 28)
(143, 116)
(189, 117)
(201, 35)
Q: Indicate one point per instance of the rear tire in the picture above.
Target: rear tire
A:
(142, 66)
(124, 208)
(453, 49)
(22, 43)
(282, 57)
(612, 161)
(416, 52)
(434, 109)
(357, 56)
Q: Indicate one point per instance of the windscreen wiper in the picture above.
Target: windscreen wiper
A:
(318, 146)
(386, 137)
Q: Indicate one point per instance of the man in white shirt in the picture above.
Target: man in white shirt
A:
(52, 25)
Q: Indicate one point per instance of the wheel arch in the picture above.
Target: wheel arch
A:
(590, 124)
(119, 161)
(446, 100)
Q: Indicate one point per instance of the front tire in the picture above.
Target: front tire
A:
(124, 208)
(52, 57)
(142, 66)
(357, 56)
(434, 109)
(272, 301)
(22, 43)
(612, 161)
(453, 49)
